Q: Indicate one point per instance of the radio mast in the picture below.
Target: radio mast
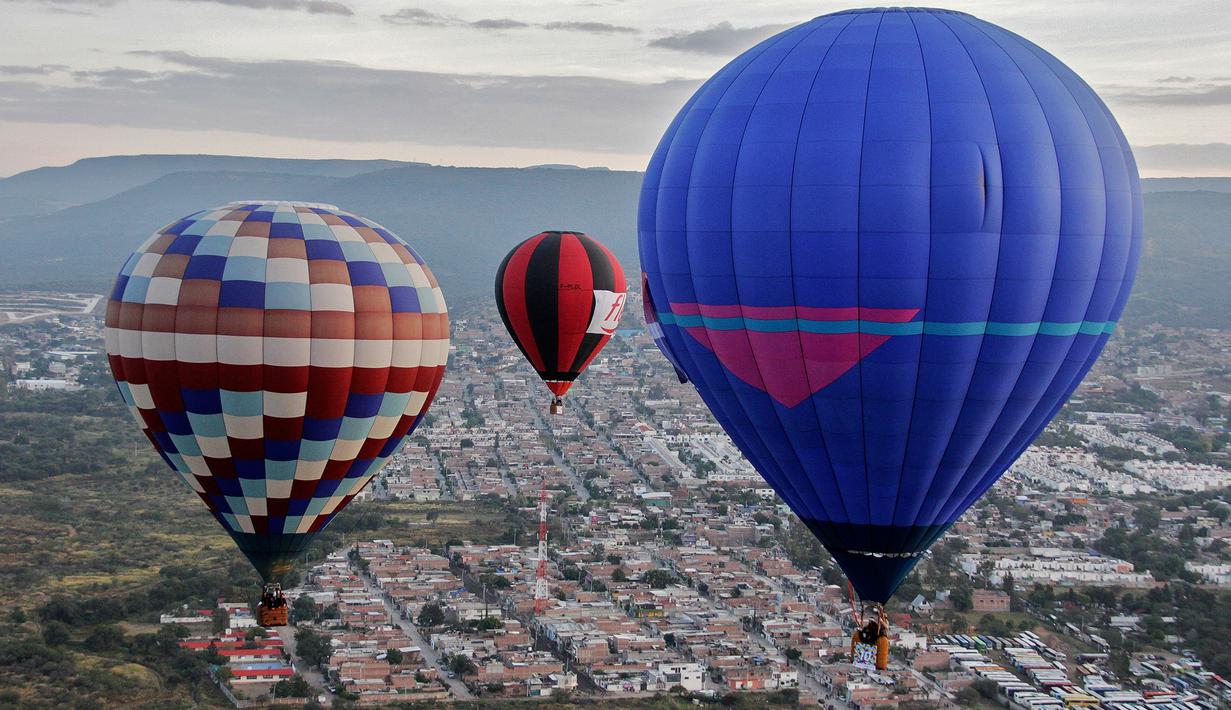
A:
(540, 581)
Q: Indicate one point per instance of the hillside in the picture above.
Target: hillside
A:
(92, 179)
(463, 220)
(1183, 275)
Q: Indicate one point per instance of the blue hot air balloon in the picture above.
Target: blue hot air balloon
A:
(886, 245)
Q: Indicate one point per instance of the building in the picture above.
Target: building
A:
(991, 600)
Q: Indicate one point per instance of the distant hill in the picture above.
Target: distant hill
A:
(1184, 184)
(91, 179)
(1183, 277)
(464, 220)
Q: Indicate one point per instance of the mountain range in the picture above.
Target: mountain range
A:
(72, 226)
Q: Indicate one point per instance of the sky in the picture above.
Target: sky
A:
(512, 83)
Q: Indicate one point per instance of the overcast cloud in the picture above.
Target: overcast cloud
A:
(338, 101)
(323, 7)
(722, 38)
(514, 83)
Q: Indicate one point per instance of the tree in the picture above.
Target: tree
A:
(618, 575)
(293, 687)
(793, 654)
(961, 598)
(462, 665)
(104, 637)
(55, 633)
(658, 578)
(314, 648)
(1147, 518)
(394, 656)
(304, 608)
(431, 615)
(220, 621)
(213, 657)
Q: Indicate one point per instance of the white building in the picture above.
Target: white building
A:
(1187, 477)
(46, 385)
(690, 676)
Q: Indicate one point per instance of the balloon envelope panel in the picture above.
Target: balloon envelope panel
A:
(886, 245)
(276, 354)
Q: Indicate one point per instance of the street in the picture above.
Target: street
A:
(579, 486)
(312, 675)
(430, 658)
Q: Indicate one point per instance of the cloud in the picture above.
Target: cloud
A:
(418, 16)
(115, 76)
(315, 7)
(498, 24)
(24, 70)
(92, 3)
(337, 101)
(1203, 94)
(592, 27)
(722, 38)
(1185, 158)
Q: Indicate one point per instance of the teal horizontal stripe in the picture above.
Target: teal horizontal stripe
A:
(787, 325)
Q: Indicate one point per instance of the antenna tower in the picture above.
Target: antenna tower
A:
(540, 580)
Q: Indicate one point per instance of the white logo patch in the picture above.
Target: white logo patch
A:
(608, 305)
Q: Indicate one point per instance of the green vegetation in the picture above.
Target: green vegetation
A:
(99, 537)
(1146, 549)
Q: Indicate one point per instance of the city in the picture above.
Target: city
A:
(672, 568)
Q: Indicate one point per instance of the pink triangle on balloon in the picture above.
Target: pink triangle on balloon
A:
(791, 366)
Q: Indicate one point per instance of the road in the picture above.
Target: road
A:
(430, 658)
(579, 486)
(312, 675)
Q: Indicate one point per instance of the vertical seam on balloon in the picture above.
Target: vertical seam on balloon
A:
(525, 340)
(1055, 266)
(731, 236)
(791, 263)
(264, 356)
(607, 268)
(175, 345)
(923, 338)
(982, 486)
(321, 515)
(923, 501)
(784, 479)
(384, 389)
(723, 410)
(655, 172)
(863, 132)
(308, 388)
(568, 364)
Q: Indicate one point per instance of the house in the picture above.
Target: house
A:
(991, 600)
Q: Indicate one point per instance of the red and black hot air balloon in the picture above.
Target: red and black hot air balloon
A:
(560, 294)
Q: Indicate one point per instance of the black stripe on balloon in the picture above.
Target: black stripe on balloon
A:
(542, 297)
(600, 265)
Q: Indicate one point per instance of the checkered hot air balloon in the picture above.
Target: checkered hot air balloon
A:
(276, 354)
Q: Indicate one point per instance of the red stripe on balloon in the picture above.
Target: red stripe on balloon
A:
(514, 292)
